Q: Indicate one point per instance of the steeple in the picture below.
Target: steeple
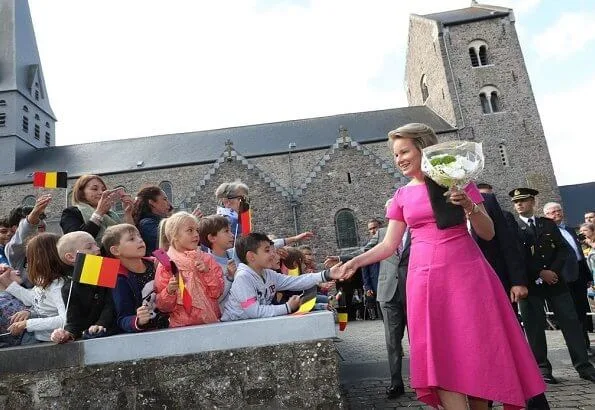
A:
(27, 120)
(20, 68)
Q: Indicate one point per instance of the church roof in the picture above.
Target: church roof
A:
(20, 64)
(164, 151)
(468, 15)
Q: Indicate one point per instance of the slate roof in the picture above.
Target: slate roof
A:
(577, 199)
(164, 151)
(468, 15)
(19, 57)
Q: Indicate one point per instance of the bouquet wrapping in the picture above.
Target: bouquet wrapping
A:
(453, 164)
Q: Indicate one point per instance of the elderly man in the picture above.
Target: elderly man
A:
(545, 253)
(576, 271)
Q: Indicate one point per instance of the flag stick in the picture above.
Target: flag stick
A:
(235, 238)
(68, 302)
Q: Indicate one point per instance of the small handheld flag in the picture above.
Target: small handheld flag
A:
(96, 270)
(246, 222)
(186, 298)
(342, 316)
(170, 265)
(307, 301)
(50, 180)
(294, 271)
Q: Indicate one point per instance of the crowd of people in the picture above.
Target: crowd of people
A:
(175, 270)
(181, 269)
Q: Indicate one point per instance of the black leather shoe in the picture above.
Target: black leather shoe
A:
(590, 376)
(549, 379)
(393, 392)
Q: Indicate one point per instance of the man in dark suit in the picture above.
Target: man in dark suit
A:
(504, 255)
(545, 252)
(576, 272)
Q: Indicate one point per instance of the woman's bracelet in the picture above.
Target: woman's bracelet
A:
(474, 210)
(96, 218)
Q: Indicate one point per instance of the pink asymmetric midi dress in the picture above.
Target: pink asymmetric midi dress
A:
(463, 332)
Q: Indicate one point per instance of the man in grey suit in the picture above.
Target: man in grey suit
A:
(392, 297)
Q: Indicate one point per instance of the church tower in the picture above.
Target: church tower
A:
(468, 67)
(27, 121)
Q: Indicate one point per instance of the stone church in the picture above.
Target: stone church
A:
(465, 77)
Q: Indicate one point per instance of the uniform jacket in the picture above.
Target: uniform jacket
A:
(547, 251)
(503, 252)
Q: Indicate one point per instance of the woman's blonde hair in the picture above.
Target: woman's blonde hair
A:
(78, 190)
(230, 189)
(422, 135)
(169, 227)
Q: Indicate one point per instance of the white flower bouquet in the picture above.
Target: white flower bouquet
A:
(453, 164)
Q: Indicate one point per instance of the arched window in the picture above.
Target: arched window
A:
(478, 53)
(2, 119)
(473, 56)
(494, 101)
(503, 154)
(424, 88)
(2, 103)
(25, 123)
(489, 97)
(25, 108)
(483, 55)
(346, 229)
(48, 139)
(47, 124)
(29, 200)
(167, 187)
(37, 117)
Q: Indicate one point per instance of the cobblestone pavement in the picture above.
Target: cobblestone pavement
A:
(365, 376)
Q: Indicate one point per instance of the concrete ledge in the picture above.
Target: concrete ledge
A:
(206, 338)
(171, 342)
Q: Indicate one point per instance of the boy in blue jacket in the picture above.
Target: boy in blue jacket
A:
(134, 295)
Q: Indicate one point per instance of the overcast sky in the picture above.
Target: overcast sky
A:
(132, 68)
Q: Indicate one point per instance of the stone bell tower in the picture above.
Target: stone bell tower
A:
(468, 67)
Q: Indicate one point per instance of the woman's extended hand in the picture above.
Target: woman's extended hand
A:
(347, 270)
(105, 202)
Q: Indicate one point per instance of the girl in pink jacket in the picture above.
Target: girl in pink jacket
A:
(188, 288)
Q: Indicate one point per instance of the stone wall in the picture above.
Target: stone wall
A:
(301, 375)
(270, 363)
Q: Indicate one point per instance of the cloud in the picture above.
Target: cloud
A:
(568, 35)
(566, 120)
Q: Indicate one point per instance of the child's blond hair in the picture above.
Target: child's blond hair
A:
(113, 236)
(69, 243)
(169, 227)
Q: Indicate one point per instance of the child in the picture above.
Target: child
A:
(9, 307)
(215, 235)
(91, 309)
(47, 307)
(5, 235)
(255, 285)
(203, 278)
(134, 292)
(25, 223)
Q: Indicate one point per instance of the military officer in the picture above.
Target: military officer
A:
(545, 252)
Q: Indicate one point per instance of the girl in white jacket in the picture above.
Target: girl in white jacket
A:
(47, 311)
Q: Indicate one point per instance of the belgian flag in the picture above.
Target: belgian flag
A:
(246, 222)
(50, 180)
(96, 270)
(342, 316)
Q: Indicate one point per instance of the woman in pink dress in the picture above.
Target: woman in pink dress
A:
(466, 343)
